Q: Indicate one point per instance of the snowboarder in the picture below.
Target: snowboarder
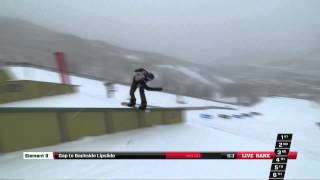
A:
(140, 78)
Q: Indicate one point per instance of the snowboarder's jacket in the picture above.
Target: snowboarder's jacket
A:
(140, 79)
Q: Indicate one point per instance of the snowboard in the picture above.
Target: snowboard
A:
(135, 107)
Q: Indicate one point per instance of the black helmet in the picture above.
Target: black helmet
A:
(140, 70)
(149, 76)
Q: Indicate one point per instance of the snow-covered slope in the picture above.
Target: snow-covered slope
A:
(251, 134)
(92, 93)
(258, 133)
(280, 115)
(188, 72)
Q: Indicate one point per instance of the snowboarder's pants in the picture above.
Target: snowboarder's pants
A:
(133, 88)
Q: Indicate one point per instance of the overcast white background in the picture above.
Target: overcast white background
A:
(196, 30)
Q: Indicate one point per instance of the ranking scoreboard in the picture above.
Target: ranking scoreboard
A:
(279, 156)
(282, 152)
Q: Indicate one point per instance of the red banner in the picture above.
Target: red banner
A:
(60, 61)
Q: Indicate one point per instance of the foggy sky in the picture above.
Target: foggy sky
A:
(204, 31)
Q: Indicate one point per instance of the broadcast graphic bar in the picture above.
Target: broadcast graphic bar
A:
(250, 155)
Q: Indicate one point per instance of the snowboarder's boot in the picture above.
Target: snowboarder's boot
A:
(131, 104)
(143, 106)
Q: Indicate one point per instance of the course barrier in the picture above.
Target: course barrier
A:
(24, 128)
(11, 91)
